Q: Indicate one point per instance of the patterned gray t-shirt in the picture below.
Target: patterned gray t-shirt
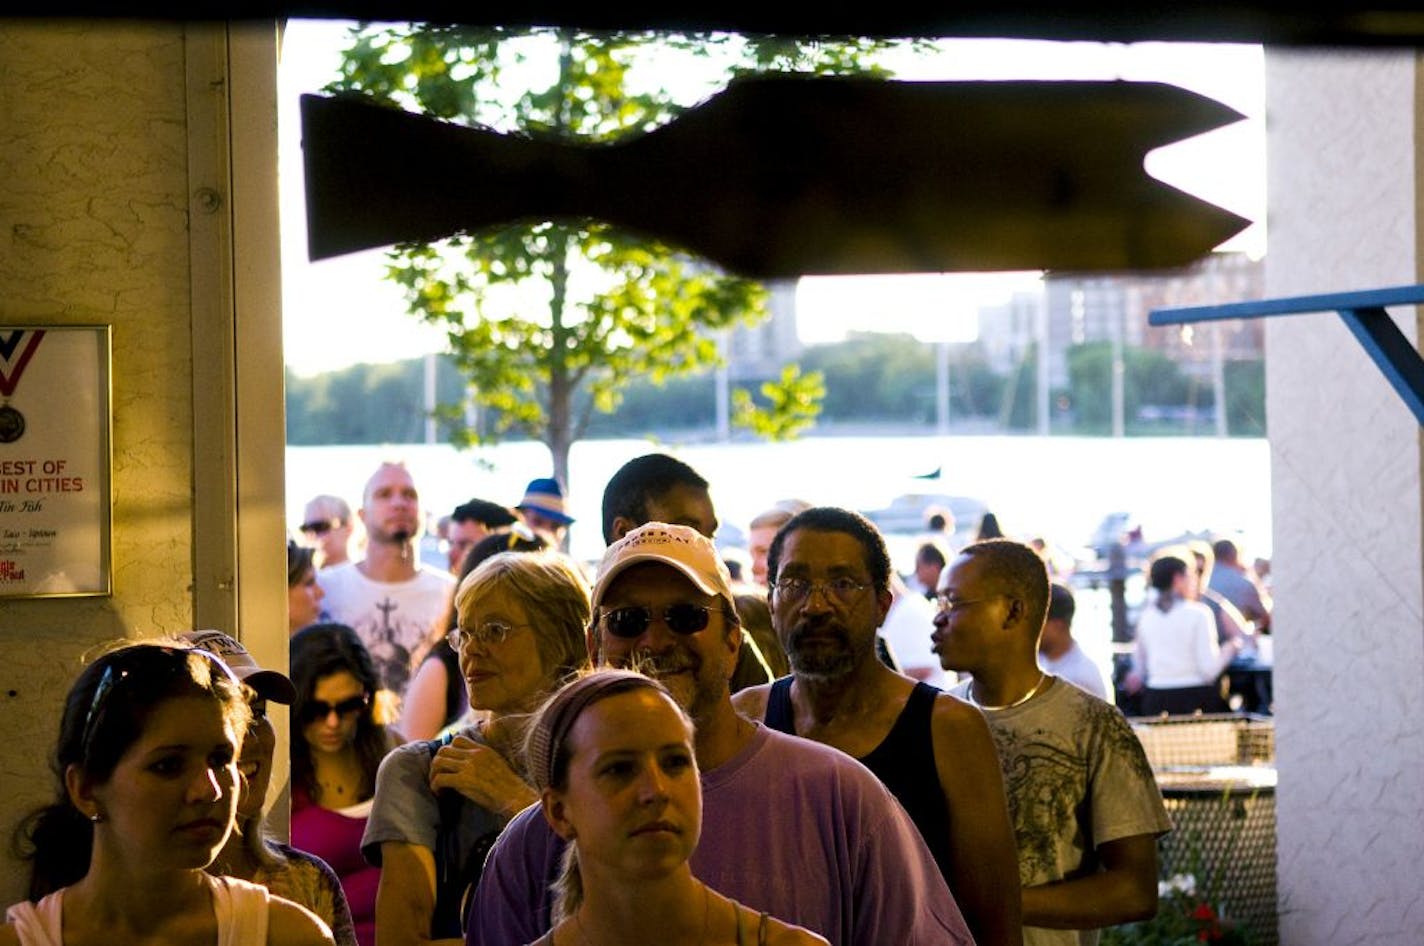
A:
(1076, 777)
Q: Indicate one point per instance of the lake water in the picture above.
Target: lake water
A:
(1057, 487)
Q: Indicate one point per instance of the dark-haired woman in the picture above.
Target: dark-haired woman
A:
(303, 593)
(339, 737)
(147, 766)
(1177, 647)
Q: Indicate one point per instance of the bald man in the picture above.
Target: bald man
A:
(395, 604)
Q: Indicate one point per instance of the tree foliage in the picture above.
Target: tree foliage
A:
(550, 321)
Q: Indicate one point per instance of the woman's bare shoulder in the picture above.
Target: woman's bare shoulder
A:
(290, 924)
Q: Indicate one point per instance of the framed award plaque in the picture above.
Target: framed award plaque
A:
(54, 461)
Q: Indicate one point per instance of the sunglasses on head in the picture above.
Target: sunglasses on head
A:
(316, 710)
(142, 665)
(321, 526)
(680, 618)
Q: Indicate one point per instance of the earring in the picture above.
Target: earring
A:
(96, 817)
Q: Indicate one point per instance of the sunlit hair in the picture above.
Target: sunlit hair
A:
(321, 650)
(520, 538)
(1205, 559)
(547, 749)
(332, 507)
(835, 519)
(1015, 569)
(778, 515)
(106, 712)
(553, 593)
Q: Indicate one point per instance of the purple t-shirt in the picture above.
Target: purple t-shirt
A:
(789, 826)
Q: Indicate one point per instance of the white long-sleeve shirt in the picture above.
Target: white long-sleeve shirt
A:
(1178, 647)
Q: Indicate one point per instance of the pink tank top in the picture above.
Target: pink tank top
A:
(240, 907)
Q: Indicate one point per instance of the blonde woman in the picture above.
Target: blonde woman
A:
(613, 758)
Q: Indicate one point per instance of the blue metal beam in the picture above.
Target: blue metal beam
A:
(1362, 312)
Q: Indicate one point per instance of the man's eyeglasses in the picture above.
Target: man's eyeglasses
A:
(488, 634)
(322, 526)
(843, 590)
(681, 618)
(946, 603)
(316, 710)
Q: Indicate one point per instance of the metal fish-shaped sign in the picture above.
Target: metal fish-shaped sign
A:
(785, 175)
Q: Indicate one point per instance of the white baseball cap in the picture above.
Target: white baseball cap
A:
(681, 547)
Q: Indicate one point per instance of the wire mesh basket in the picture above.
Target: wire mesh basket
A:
(1218, 779)
(1226, 739)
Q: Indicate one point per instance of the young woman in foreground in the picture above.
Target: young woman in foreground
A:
(147, 765)
(612, 756)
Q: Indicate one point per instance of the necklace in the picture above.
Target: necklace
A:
(1042, 677)
(706, 919)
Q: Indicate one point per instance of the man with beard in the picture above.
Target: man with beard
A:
(829, 572)
(790, 827)
(393, 602)
(1086, 809)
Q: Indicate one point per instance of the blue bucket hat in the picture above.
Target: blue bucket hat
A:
(545, 497)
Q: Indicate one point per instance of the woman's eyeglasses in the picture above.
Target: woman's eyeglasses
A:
(681, 618)
(317, 710)
(488, 634)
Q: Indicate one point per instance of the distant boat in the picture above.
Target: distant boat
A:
(932, 475)
(910, 512)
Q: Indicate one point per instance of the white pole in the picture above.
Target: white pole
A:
(1118, 371)
(1041, 388)
(430, 432)
(1218, 379)
(724, 390)
(942, 388)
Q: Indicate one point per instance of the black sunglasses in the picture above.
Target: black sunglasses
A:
(322, 526)
(144, 663)
(315, 710)
(631, 622)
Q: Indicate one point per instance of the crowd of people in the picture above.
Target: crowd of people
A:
(521, 748)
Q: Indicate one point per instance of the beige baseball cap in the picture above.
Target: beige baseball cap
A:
(269, 684)
(681, 547)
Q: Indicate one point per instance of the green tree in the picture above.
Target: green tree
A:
(1149, 378)
(1018, 408)
(550, 321)
(1245, 384)
(876, 376)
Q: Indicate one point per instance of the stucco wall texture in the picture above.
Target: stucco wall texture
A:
(94, 230)
(1344, 214)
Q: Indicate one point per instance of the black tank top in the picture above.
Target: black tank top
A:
(904, 762)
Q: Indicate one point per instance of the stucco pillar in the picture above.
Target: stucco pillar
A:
(138, 190)
(1344, 214)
